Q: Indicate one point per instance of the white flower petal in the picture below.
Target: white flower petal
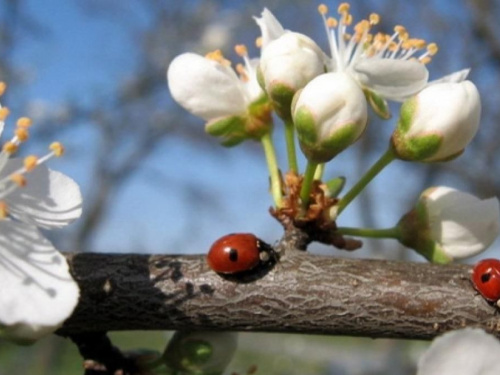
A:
(461, 223)
(38, 292)
(270, 27)
(205, 87)
(391, 79)
(464, 352)
(458, 76)
(50, 199)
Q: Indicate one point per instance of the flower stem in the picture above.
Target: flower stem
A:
(370, 232)
(290, 146)
(318, 175)
(375, 169)
(305, 190)
(272, 165)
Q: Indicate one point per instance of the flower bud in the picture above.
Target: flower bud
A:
(330, 114)
(448, 224)
(287, 64)
(438, 123)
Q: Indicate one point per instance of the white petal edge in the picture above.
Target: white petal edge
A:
(50, 199)
(456, 77)
(38, 292)
(270, 27)
(465, 352)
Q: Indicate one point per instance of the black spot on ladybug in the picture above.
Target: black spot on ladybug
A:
(485, 277)
(233, 255)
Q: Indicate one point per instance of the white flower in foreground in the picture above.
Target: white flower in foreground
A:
(289, 60)
(465, 352)
(330, 114)
(38, 291)
(385, 66)
(448, 224)
(438, 123)
(235, 107)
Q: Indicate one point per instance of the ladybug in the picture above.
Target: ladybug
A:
(486, 279)
(238, 252)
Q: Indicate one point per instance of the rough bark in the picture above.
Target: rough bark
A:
(303, 293)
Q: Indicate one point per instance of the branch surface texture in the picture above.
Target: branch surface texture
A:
(303, 293)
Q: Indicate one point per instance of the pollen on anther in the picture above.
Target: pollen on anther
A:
(4, 210)
(432, 48)
(343, 8)
(374, 19)
(57, 148)
(259, 42)
(322, 9)
(22, 134)
(24, 122)
(9, 148)
(30, 162)
(218, 57)
(332, 22)
(18, 179)
(3, 87)
(4, 112)
(241, 50)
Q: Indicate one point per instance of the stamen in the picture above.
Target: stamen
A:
(241, 50)
(219, 57)
(57, 148)
(4, 112)
(259, 42)
(332, 22)
(22, 134)
(4, 210)
(24, 122)
(432, 49)
(3, 87)
(18, 179)
(374, 19)
(323, 9)
(30, 162)
(9, 148)
(240, 68)
(343, 8)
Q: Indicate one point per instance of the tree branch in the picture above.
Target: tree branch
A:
(304, 293)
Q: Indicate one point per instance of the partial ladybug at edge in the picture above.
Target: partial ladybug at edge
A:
(486, 279)
(237, 253)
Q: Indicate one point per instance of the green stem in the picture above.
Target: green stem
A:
(370, 232)
(375, 169)
(305, 190)
(272, 165)
(290, 146)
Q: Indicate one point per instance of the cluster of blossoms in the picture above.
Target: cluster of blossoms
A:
(323, 99)
(38, 291)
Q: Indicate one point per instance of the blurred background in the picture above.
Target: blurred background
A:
(91, 73)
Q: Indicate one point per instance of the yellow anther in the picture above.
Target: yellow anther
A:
(241, 50)
(343, 8)
(374, 19)
(322, 9)
(4, 210)
(425, 60)
(30, 162)
(399, 29)
(3, 87)
(362, 26)
(18, 179)
(22, 134)
(9, 148)
(259, 42)
(57, 148)
(347, 19)
(240, 68)
(219, 57)
(432, 48)
(4, 112)
(332, 22)
(24, 122)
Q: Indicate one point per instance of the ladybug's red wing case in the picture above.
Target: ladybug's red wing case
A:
(486, 279)
(234, 253)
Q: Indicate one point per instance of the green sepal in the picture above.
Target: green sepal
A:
(378, 104)
(225, 125)
(417, 148)
(335, 186)
(281, 96)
